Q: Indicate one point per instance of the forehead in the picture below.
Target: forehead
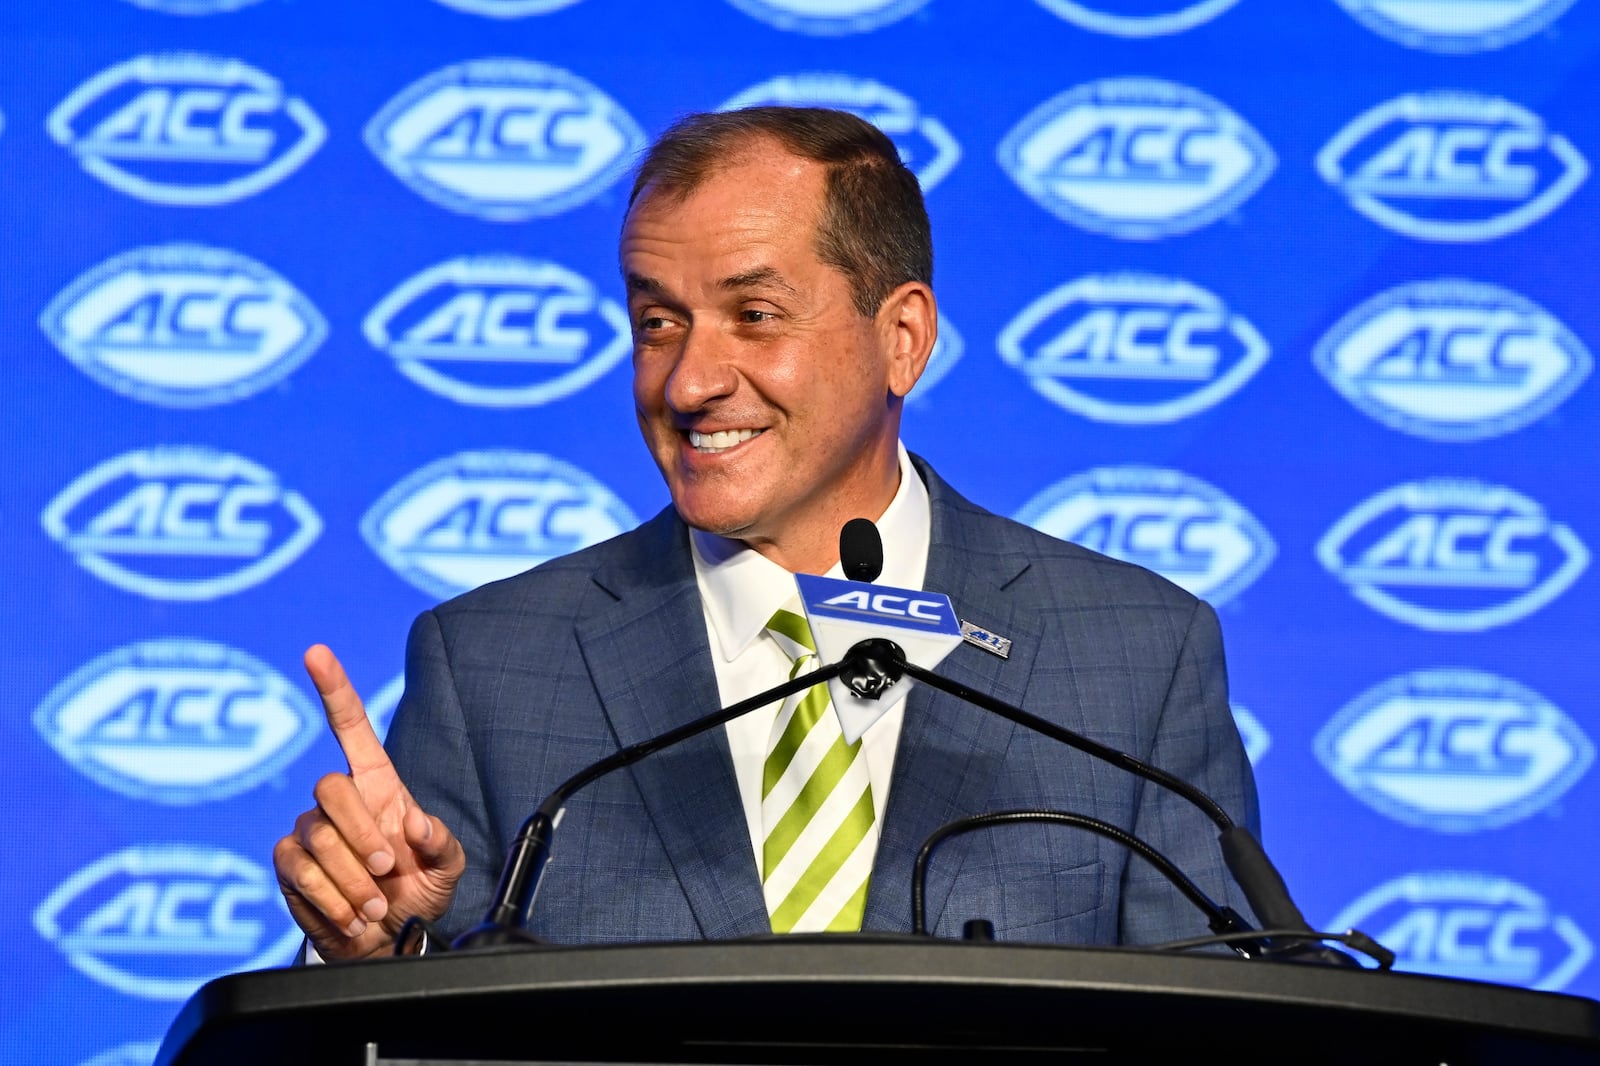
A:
(765, 198)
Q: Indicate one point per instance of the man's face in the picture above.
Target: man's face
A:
(769, 402)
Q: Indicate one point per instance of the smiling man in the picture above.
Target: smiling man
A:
(767, 386)
(778, 266)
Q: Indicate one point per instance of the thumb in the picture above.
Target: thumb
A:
(432, 842)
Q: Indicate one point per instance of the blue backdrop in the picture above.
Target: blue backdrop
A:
(311, 319)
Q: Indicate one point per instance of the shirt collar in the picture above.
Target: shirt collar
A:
(740, 587)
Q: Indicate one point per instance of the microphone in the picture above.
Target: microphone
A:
(861, 550)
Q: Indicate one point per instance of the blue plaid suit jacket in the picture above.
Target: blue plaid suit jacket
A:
(513, 687)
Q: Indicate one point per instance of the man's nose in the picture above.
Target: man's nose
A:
(704, 371)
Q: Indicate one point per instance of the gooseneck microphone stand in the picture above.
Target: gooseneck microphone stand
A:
(876, 663)
(1224, 921)
(869, 668)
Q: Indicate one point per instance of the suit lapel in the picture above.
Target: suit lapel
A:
(651, 666)
(950, 752)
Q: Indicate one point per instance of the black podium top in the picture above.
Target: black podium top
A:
(857, 999)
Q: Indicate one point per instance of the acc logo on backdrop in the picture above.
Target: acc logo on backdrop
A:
(1136, 158)
(504, 139)
(1132, 348)
(181, 523)
(1454, 555)
(828, 18)
(1452, 360)
(159, 921)
(1456, 25)
(1454, 750)
(177, 721)
(183, 325)
(1452, 166)
(508, 9)
(1474, 926)
(925, 145)
(1156, 17)
(1174, 524)
(500, 331)
(192, 130)
(475, 517)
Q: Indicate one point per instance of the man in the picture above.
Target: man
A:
(777, 263)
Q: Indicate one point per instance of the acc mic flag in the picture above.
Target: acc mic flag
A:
(842, 613)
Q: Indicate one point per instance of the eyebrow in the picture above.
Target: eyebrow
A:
(749, 279)
(756, 278)
(641, 283)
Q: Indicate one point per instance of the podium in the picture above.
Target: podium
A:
(865, 999)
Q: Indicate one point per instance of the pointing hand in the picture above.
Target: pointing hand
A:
(366, 857)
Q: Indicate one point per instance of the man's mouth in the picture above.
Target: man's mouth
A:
(721, 440)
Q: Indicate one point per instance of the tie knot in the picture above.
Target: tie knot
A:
(792, 633)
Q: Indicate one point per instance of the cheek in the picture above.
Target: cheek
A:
(787, 371)
(819, 375)
(649, 383)
(856, 359)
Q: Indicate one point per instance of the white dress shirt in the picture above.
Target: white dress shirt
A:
(740, 589)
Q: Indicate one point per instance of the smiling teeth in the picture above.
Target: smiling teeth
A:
(721, 440)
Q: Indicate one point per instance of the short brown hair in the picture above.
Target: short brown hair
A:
(874, 227)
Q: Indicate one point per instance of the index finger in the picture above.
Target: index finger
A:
(346, 715)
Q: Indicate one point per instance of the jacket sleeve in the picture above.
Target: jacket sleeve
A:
(432, 751)
(1196, 740)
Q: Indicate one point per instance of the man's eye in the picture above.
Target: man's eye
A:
(652, 322)
(753, 315)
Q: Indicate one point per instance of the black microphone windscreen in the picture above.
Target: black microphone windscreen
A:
(860, 550)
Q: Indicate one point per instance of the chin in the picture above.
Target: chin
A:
(722, 521)
(735, 528)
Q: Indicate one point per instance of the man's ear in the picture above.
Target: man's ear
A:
(908, 324)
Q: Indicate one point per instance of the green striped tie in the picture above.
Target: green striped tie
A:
(816, 806)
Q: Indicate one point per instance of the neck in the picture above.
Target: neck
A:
(815, 555)
(814, 549)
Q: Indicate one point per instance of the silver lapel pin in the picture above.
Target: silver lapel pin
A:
(993, 643)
